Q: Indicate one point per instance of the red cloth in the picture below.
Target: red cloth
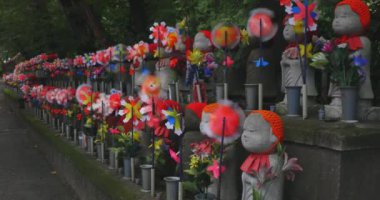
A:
(361, 9)
(254, 162)
(354, 43)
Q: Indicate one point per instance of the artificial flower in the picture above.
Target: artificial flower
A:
(196, 57)
(319, 60)
(228, 62)
(328, 47)
(114, 131)
(359, 61)
(244, 37)
(214, 169)
(194, 161)
(174, 156)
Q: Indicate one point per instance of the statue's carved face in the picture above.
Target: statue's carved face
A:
(257, 135)
(289, 34)
(204, 125)
(201, 42)
(346, 22)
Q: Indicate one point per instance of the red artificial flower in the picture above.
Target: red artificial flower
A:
(173, 63)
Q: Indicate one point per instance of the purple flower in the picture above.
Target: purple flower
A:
(359, 61)
(328, 47)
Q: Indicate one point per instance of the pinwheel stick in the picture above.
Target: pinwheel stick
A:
(152, 191)
(180, 187)
(304, 97)
(221, 160)
(225, 67)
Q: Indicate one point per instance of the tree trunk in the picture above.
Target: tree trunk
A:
(139, 19)
(84, 24)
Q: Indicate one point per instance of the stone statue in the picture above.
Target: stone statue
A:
(164, 72)
(291, 67)
(202, 42)
(351, 21)
(262, 170)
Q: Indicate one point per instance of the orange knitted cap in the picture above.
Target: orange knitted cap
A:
(360, 8)
(210, 108)
(274, 121)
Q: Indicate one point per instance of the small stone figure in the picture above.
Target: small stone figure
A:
(291, 66)
(164, 72)
(202, 74)
(267, 165)
(351, 21)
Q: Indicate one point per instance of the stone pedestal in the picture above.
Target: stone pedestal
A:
(347, 157)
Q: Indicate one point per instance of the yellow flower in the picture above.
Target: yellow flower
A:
(308, 50)
(244, 36)
(298, 27)
(194, 161)
(69, 113)
(136, 136)
(182, 24)
(196, 57)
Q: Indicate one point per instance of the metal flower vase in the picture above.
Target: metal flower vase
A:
(293, 97)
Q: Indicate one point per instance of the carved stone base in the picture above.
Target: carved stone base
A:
(365, 111)
(282, 107)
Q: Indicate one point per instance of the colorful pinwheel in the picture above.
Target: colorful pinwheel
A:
(304, 12)
(131, 110)
(174, 120)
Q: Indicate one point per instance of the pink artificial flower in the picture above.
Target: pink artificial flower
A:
(228, 62)
(114, 131)
(214, 169)
(328, 47)
(174, 156)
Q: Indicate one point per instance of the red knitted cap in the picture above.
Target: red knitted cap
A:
(274, 121)
(360, 8)
(196, 108)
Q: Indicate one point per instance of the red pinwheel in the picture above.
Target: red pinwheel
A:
(299, 14)
(234, 118)
(260, 24)
(83, 94)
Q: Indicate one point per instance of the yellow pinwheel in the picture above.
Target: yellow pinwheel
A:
(307, 50)
(130, 111)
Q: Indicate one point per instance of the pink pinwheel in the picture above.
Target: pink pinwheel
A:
(159, 32)
(174, 156)
(299, 14)
(214, 169)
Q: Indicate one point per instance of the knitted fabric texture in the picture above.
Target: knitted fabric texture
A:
(196, 108)
(361, 9)
(210, 108)
(274, 121)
